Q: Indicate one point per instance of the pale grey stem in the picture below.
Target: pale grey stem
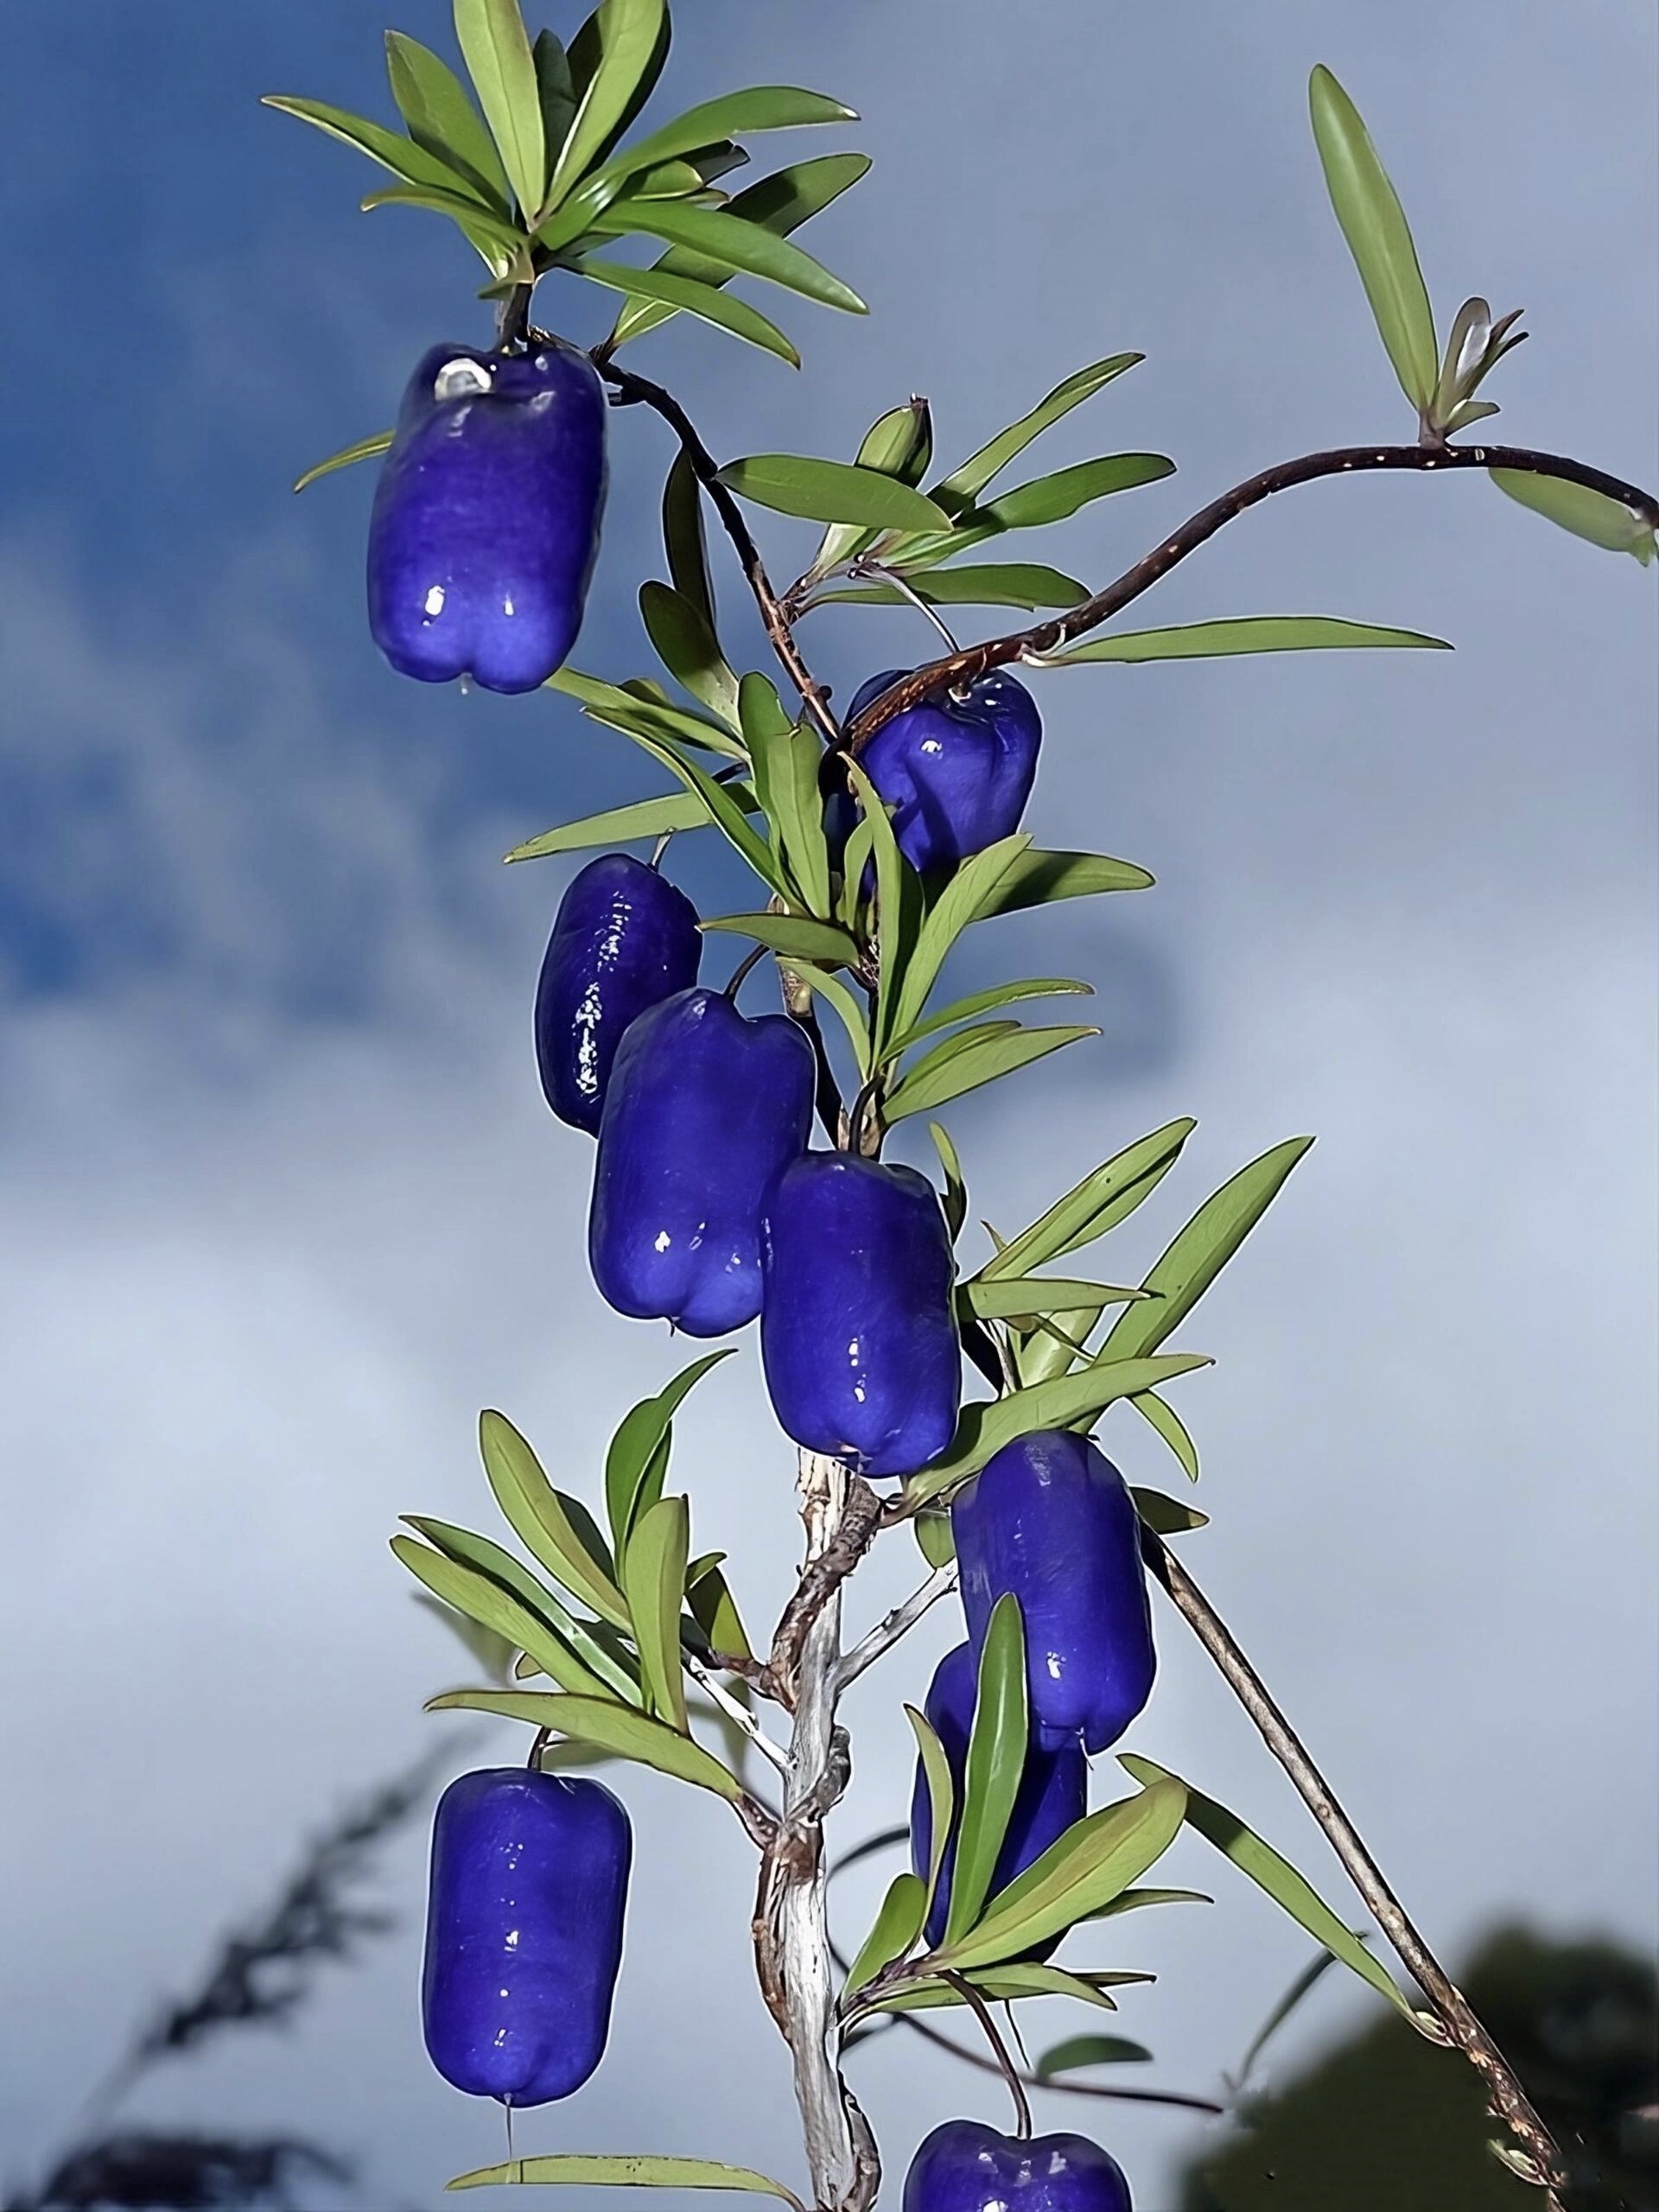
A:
(717, 1693)
(898, 1623)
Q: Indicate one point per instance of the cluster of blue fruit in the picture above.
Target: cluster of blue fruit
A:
(709, 1209)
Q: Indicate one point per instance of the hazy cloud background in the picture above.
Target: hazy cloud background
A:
(282, 1204)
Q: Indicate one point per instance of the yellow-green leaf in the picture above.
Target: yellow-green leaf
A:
(613, 1728)
(1378, 236)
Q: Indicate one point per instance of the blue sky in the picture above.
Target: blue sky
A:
(283, 1207)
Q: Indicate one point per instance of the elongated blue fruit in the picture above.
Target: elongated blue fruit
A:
(955, 772)
(1054, 1792)
(965, 2167)
(623, 939)
(857, 1335)
(486, 521)
(1049, 1518)
(523, 1932)
(703, 1111)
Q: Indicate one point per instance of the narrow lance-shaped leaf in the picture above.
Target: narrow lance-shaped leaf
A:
(748, 248)
(1077, 2053)
(725, 810)
(1167, 1516)
(996, 1762)
(796, 935)
(612, 1727)
(704, 301)
(489, 1559)
(627, 2171)
(846, 1010)
(687, 646)
(539, 1520)
(496, 48)
(488, 1602)
(433, 103)
(1607, 523)
(623, 825)
(715, 1611)
(653, 1580)
(1254, 633)
(1277, 1877)
(554, 90)
(969, 894)
(641, 1429)
(365, 449)
(937, 1078)
(1051, 499)
(1012, 583)
(643, 706)
(963, 486)
(1378, 236)
(899, 901)
(897, 1925)
(829, 491)
(899, 445)
(684, 539)
(978, 1002)
(1098, 1203)
(941, 1797)
(389, 148)
(1201, 1250)
(1038, 878)
(1170, 1426)
(734, 115)
(478, 223)
(955, 1189)
(622, 41)
(1023, 1297)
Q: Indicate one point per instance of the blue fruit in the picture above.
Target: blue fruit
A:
(955, 772)
(965, 2167)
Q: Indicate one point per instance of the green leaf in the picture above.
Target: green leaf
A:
(847, 1009)
(745, 248)
(1170, 1426)
(642, 709)
(639, 1433)
(683, 539)
(787, 760)
(628, 2170)
(986, 1426)
(1137, 1900)
(994, 1765)
(1252, 634)
(934, 1539)
(393, 151)
(899, 445)
(539, 1520)
(782, 203)
(1005, 1983)
(965, 485)
(714, 1609)
(688, 648)
(653, 1581)
(1378, 236)
(1094, 1861)
(1103, 1198)
(954, 1201)
(941, 1797)
(1051, 499)
(992, 1054)
(488, 1558)
(1607, 523)
(365, 449)
(793, 935)
(1201, 1250)
(970, 892)
(623, 825)
(1275, 1875)
(897, 1925)
(433, 102)
(1038, 879)
(762, 107)
(484, 1599)
(723, 809)
(1079, 2051)
(456, 205)
(1006, 584)
(829, 491)
(1167, 1516)
(704, 301)
(898, 899)
(555, 91)
(620, 45)
(1023, 1299)
(613, 1728)
(495, 47)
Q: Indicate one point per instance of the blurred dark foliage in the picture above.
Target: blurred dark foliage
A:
(259, 1975)
(1387, 2123)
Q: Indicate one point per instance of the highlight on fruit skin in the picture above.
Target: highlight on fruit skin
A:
(1050, 1518)
(486, 516)
(623, 939)
(957, 771)
(963, 2166)
(704, 1108)
(527, 1892)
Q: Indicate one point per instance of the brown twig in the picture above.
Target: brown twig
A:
(1537, 2157)
(823, 1575)
(1000, 2051)
(1178, 2098)
(639, 390)
(965, 667)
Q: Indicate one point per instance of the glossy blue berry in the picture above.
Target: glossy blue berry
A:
(966, 2167)
(955, 772)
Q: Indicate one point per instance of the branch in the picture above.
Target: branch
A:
(965, 667)
(898, 1622)
(1537, 2159)
(739, 1715)
(638, 391)
(1179, 2099)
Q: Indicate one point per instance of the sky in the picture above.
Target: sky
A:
(283, 1208)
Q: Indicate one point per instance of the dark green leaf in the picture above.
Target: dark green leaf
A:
(433, 102)
(762, 107)
(1051, 499)
(482, 1599)
(898, 897)
(745, 248)
(1274, 1874)
(897, 1926)
(1167, 1516)
(614, 1727)
(956, 1190)
(782, 203)
(793, 935)
(688, 648)
(829, 491)
(1201, 1250)
(952, 1068)
(1020, 1300)
(496, 48)
(994, 1765)
(1378, 237)
(639, 708)
(1079, 2051)
(965, 485)
(847, 1009)
(682, 537)
(1137, 1900)
(704, 301)
(618, 49)
(392, 150)
(899, 445)
(941, 1796)
(1591, 515)
(988, 1425)
(1170, 1426)
(488, 1558)
(365, 449)
(556, 91)
(1038, 879)
(1094, 1861)
(970, 892)
(1254, 633)
(653, 1581)
(538, 1518)
(1103, 1198)
(623, 825)
(630, 2171)
(723, 809)
(715, 1611)
(456, 205)
(641, 1431)
(786, 761)
(1003, 1985)
(1008, 584)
